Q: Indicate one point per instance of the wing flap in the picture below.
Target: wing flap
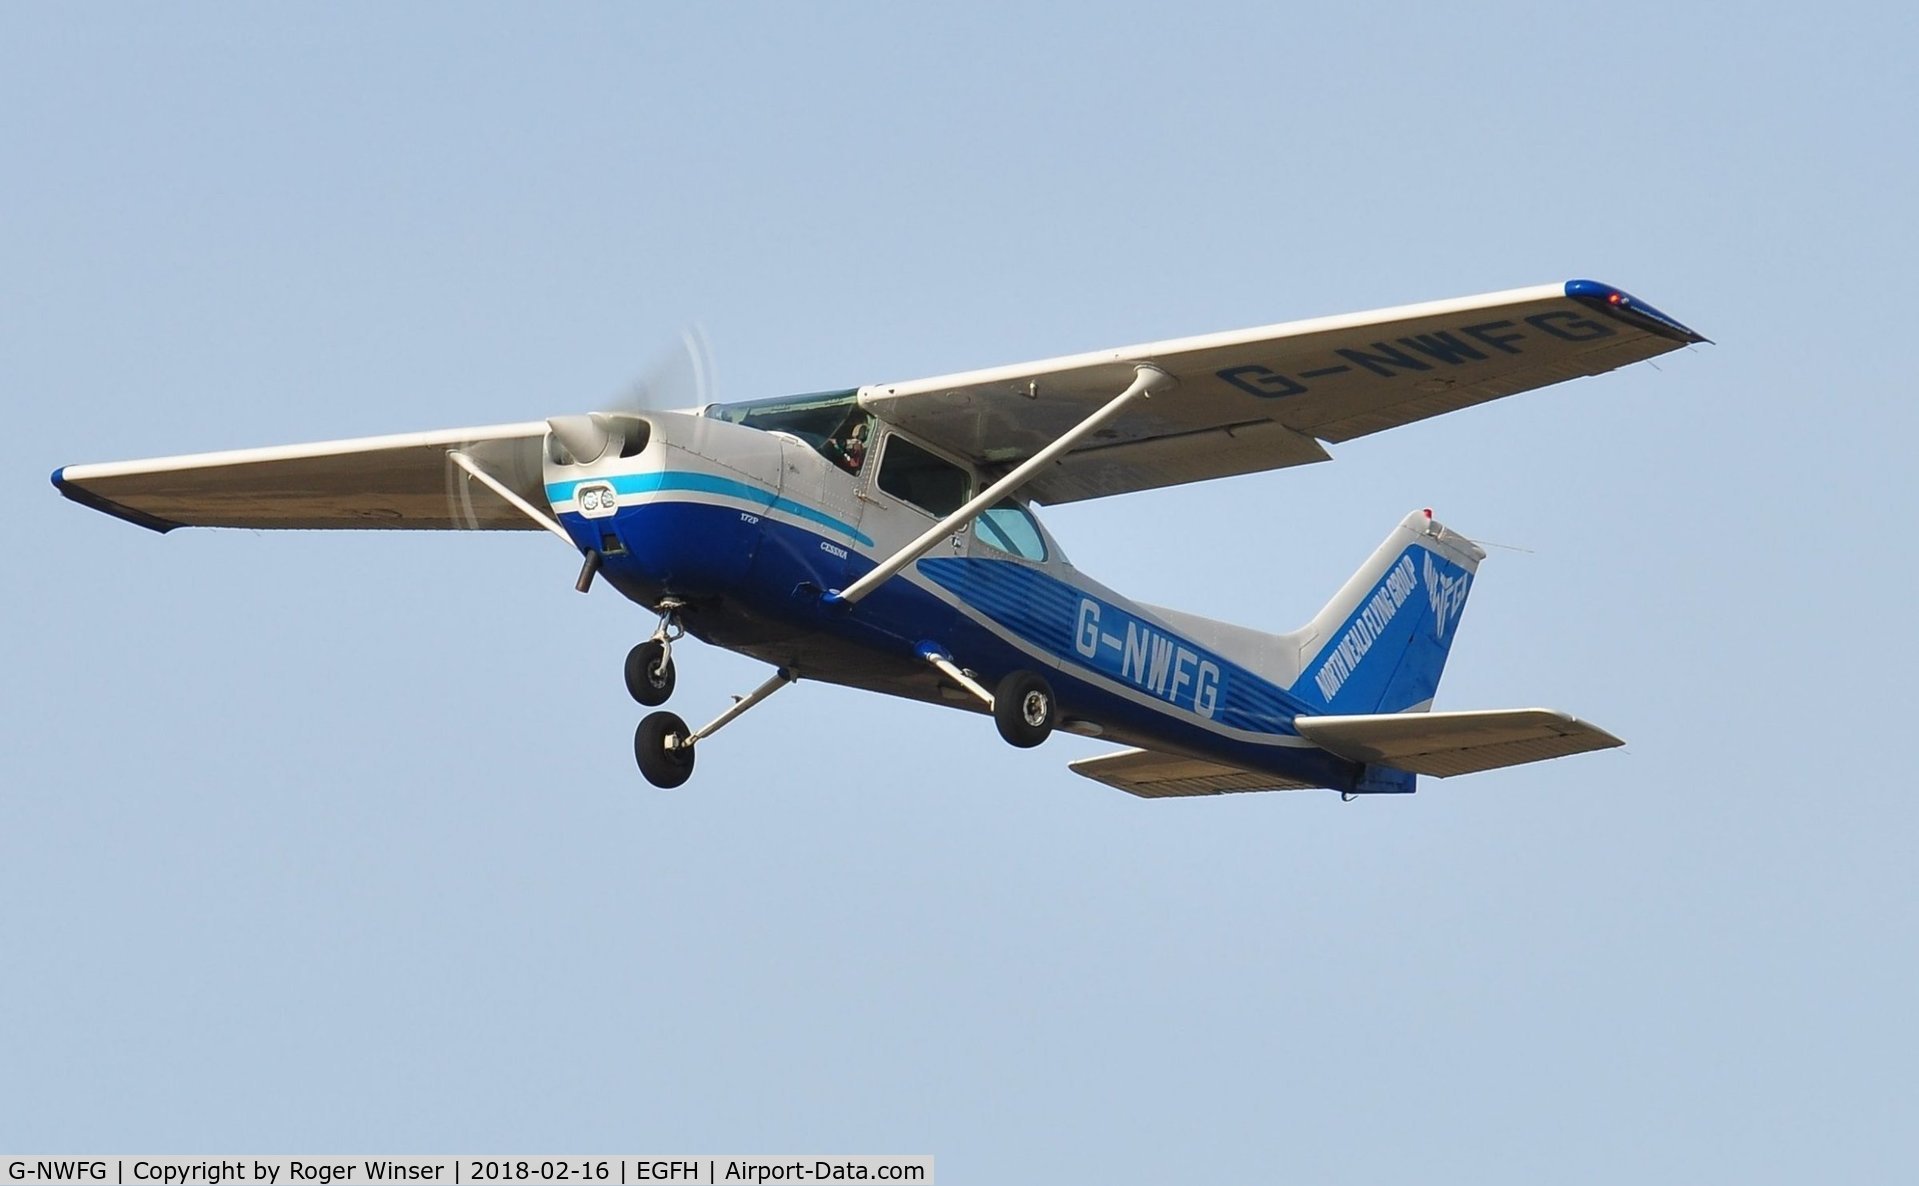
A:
(1448, 743)
(1154, 775)
(1171, 461)
(393, 482)
(1331, 379)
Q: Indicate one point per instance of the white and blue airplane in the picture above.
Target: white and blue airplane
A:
(883, 537)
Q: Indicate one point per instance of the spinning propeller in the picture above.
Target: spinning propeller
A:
(680, 377)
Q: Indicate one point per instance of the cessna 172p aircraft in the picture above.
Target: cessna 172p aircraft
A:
(883, 537)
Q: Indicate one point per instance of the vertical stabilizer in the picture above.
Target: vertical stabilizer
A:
(1381, 642)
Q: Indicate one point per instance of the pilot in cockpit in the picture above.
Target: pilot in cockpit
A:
(846, 448)
(855, 448)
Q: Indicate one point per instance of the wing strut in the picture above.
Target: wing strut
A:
(520, 504)
(932, 653)
(1147, 379)
(779, 679)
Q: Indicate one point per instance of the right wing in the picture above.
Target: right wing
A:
(404, 481)
(1265, 398)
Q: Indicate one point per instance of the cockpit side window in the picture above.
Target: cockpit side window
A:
(1011, 528)
(931, 483)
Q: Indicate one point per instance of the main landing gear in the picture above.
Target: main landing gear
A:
(660, 746)
(1022, 705)
(1024, 709)
(663, 746)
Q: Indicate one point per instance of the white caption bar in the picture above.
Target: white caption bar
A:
(456, 1171)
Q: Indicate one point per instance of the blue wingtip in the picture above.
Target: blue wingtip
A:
(60, 478)
(1620, 304)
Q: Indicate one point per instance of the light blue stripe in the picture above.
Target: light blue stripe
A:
(699, 483)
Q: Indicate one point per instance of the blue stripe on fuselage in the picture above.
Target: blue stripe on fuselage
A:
(699, 483)
(1076, 627)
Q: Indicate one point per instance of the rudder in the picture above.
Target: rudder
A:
(1381, 642)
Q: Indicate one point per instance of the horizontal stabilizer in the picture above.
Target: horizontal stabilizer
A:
(1152, 775)
(1447, 743)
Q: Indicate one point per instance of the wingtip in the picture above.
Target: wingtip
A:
(107, 506)
(1573, 723)
(1622, 305)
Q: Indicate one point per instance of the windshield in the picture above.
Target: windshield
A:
(830, 421)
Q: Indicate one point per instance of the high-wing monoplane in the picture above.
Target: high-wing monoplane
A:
(883, 537)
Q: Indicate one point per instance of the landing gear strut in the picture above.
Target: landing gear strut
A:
(649, 666)
(663, 747)
(649, 672)
(1022, 705)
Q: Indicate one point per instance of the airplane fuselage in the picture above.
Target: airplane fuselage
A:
(749, 528)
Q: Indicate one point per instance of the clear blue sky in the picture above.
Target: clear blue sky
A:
(332, 842)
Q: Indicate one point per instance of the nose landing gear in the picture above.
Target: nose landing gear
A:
(649, 672)
(649, 666)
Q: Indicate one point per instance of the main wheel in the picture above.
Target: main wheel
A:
(662, 765)
(1024, 709)
(649, 673)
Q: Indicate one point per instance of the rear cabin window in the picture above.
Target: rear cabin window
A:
(911, 474)
(1010, 528)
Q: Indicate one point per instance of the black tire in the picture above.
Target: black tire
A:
(648, 680)
(663, 767)
(1024, 709)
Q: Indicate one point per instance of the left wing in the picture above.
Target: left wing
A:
(1265, 398)
(404, 481)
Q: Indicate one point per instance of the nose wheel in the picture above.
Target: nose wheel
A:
(649, 666)
(649, 672)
